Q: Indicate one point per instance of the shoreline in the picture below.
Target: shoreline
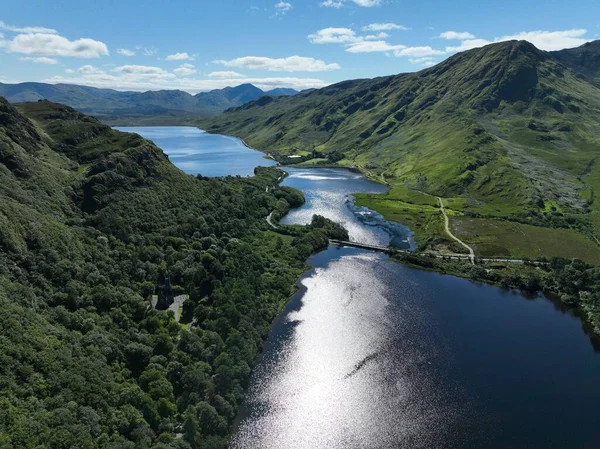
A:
(445, 264)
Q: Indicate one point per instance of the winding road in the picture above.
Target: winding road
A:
(267, 189)
(452, 236)
(274, 226)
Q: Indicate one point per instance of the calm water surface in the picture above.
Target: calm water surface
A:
(197, 152)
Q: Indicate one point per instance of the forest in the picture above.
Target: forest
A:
(91, 222)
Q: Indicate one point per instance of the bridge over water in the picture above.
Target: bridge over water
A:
(453, 256)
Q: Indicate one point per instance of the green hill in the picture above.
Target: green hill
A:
(504, 132)
(91, 222)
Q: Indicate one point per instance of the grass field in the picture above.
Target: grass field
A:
(489, 237)
(425, 221)
(503, 238)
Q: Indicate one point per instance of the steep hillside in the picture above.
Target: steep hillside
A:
(506, 130)
(91, 222)
(113, 105)
(585, 60)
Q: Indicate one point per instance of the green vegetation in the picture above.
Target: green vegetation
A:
(91, 221)
(505, 132)
(495, 237)
(418, 211)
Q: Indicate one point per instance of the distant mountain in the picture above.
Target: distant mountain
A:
(281, 92)
(111, 104)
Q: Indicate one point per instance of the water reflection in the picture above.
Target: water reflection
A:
(197, 152)
(372, 354)
(353, 374)
(328, 192)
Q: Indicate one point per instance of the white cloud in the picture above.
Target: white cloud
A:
(143, 70)
(550, 40)
(384, 27)
(40, 60)
(290, 64)
(180, 57)
(340, 3)
(15, 29)
(367, 3)
(69, 71)
(125, 52)
(89, 70)
(185, 69)
(425, 62)
(133, 81)
(372, 47)
(283, 7)
(456, 35)
(369, 43)
(226, 74)
(544, 40)
(332, 3)
(333, 36)
(418, 51)
(44, 44)
(376, 37)
(148, 51)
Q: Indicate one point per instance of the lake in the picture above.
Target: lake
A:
(197, 152)
(373, 354)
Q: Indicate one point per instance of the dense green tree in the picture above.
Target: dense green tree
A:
(91, 221)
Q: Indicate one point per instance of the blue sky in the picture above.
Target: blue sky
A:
(201, 45)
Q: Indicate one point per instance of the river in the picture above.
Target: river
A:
(373, 354)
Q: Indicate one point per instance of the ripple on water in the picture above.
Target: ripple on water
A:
(328, 192)
(351, 375)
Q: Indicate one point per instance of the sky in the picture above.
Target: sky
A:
(209, 44)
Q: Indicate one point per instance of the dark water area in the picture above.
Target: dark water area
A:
(373, 354)
(197, 152)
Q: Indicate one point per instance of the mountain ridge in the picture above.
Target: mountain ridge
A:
(508, 130)
(109, 103)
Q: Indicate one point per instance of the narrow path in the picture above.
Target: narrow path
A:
(270, 222)
(267, 189)
(452, 236)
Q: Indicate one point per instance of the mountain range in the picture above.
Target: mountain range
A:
(111, 105)
(504, 132)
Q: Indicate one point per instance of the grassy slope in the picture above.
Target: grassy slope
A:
(506, 129)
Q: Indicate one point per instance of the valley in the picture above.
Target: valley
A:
(401, 261)
(505, 134)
